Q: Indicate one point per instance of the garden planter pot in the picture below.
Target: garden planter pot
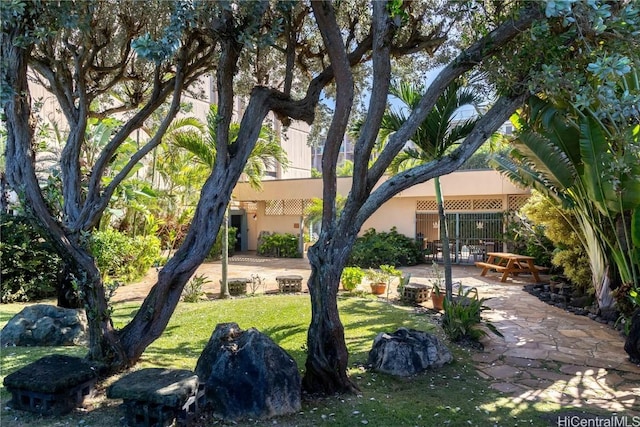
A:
(437, 300)
(378, 288)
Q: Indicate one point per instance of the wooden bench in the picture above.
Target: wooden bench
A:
(486, 267)
(158, 397)
(290, 283)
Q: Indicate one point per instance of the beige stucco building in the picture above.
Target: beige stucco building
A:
(475, 202)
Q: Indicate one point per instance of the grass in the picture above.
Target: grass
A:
(454, 395)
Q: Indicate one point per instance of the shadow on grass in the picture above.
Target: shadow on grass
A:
(453, 395)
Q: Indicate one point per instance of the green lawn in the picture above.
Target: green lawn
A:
(453, 395)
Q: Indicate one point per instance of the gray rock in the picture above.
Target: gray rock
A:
(46, 325)
(632, 344)
(407, 352)
(247, 375)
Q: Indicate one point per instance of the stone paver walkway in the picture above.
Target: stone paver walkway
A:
(546, 355)
(550, 355)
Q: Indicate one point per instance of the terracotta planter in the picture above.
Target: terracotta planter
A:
(437, 301)
(378, 288)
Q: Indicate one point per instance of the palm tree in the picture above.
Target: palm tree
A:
(439, 131)
(202, 145)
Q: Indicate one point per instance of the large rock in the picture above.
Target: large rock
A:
(632, 344)
(46, 325)
(246, 375)
(407, 352)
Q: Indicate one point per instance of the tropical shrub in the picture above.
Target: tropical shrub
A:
(351, 277)
(462, 318)
(120, 256)
(192, 291)
(216, 250)
(373, 249)
(528, 238)
(29, 265)
(283, 245)
(569, 254)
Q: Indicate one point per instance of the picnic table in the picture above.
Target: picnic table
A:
(510, 264)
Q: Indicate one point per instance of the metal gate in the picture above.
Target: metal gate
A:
(471, 235)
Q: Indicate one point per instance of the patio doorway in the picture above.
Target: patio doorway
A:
(239, 221)
(471, 234)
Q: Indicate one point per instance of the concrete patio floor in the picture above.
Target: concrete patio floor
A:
(546, 354)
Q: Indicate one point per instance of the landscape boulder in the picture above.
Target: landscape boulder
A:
(46, 325)
(247, 375)
(632, 344)
(407, 352)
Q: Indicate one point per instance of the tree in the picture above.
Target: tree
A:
(266, 152)
(82, 52)
(439, 131)
(283, 56)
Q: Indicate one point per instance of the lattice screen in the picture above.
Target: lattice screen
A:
(274, 207)
(458, 205)
(487, 204)
(426, 205)
(461, 205)
(286, 207)
(515, 202)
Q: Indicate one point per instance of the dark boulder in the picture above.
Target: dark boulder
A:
(632, 344)
(46, 325)
(407, 352)
(247, 375)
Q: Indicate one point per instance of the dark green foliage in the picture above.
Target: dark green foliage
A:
(373, 249)
(462, 317)
(527, 238)
(125, 258)
(283, 245)
(216, 251)
(29, 265)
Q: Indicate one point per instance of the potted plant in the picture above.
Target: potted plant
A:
(381, 279)
(437, 297)
(351, 278)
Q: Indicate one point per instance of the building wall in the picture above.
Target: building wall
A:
(278, 207)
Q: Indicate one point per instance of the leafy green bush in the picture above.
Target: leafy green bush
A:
(351, 277)
(569, 254)
(123, 257)
(282, 245)
(216, 251)
(29, 265)
(527, 238)
(373, 249)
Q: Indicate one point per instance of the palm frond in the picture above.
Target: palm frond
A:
(547, 158)
(193, 142)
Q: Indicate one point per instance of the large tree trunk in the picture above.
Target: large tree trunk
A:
(327, 356)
